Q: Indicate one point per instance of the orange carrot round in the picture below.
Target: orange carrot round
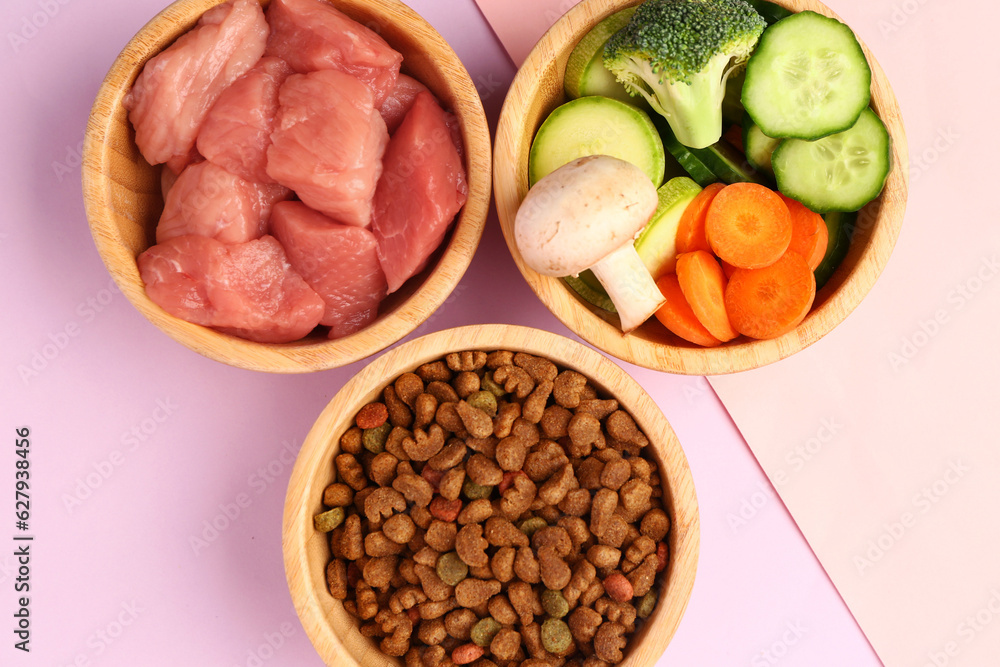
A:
(748, 225)
(809, 234)
(704, 286)
(769, 302)
(676, 314)
(691, 229)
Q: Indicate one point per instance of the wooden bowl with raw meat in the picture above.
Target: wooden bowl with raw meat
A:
(250, 231)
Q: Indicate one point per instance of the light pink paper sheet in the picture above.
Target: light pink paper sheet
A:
(520, 24)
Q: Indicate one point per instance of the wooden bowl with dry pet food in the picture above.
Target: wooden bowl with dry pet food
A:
(124, 201)
(491, 495)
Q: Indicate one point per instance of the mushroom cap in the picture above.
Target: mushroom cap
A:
(574, 217)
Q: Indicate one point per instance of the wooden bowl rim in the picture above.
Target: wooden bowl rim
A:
(313, 470)
(314, 353)
(884, 217)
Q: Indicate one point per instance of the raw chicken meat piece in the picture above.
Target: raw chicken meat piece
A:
(394, 108)
(421, 189)
(177, 87)
(207, 200)
(328, 143)
(237, 131)
(339, 261)
(248, 289)
(312, 35)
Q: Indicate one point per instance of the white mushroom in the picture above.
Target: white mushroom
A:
(586, 215)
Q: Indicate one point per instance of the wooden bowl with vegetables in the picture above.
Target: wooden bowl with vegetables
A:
(323, 499)
(124, 192)
(772, 150)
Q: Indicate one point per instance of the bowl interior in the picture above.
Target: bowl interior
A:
(332, 630)
(538, 89)
(123, 202)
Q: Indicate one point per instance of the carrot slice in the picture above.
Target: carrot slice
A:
(809, 233)
(769, 302)
(704, 286)
(727, 268)
(676, 314)
(691, 229)
(748, 225)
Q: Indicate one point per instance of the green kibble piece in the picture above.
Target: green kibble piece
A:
(556, 637)
(554, 603)
(374, 438)
(329, 520)
(484, 400)
(646, 605)
(484, 631)
(489, 385)
(451, 569)
(475, 491)
(529, 526)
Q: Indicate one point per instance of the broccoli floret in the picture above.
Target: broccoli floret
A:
(678, 54)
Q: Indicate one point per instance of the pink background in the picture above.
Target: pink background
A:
(139, 445)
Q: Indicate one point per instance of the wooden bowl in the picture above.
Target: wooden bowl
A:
(331, 629)
(538, 89)
(123, 203)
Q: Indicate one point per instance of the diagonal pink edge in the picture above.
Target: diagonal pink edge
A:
(520, 23)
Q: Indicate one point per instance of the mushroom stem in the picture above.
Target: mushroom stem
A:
(630, 286)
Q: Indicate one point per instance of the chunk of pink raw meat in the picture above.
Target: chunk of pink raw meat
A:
(207, 200)
(177, 87)
(422, 187)
(327, 144)
(248, 289)
(237, 131)
(339, 261)
(312, 35)
(394, 108)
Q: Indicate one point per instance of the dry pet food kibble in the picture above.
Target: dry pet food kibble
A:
(495, 510)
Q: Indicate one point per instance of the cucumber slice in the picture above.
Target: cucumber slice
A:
(807, 79)
(695, 168)
(594, 296)
(840, 229)
(758, 146)
(732, 105)
(842, 172)
(657, 244)
(718, 162)
(596, 126)
(585, 71)
(771, 12)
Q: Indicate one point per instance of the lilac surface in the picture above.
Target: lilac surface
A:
(139, 445)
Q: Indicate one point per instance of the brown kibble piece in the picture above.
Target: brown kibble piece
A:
(443, 392)
(432, 632)
(655, 524)
(555, 537)
(556, 487)
(377, 544)
(534, 405)
(336, 578)
(502, 533)
(471, 360)
(615, 474)
(502, 564)
(378, 571)
(415, 489)
(399, 528)
(407, 387)
(602, 508)
(609, 640)
(483, 471)
(450, 455)
(459, 622)
(576, 502)
(604, 557)
(476, 511)
(539, 368)
(516, 499)
(424, 444)
(383, 502)
(584, 574)
(351, 541)
(350, 442)
(451, 484)
(435, 371)
(338, 495)
(506, 644)
(440, 535)
(634, 494)
(577, 530)
(567, 388)
(523, 599)
(366, 602)
(350, 471)
(424, 409)
(544, 460)
(466, 384)
(507, 414)
(642, 577)
(599, 408)
(475, 592)
(471, 546)
(514, 380)
(526, 566)
(382, 469)
(555, 572)
(435, 609)
(432, 585)
(583, 430)
(511, 452)
(476, 422)
(398, 412)
(583, 623)
(554, 423)
(589, 473)
(622, 427)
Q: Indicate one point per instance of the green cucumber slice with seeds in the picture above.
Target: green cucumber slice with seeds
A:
(807, 79)
(596, 126)
(585, 71)
(657, 244)
(758, 146)
(841, 172)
